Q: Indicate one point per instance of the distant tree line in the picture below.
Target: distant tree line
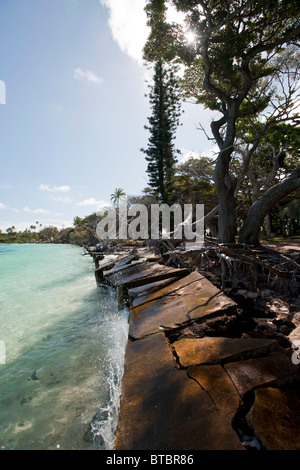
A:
(192, 183)
(81, 233)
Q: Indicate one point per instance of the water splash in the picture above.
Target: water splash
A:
(65, 346)
(103, 425)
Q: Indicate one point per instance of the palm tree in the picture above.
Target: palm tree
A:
(78, 222)
(10, 230)
(118, 195)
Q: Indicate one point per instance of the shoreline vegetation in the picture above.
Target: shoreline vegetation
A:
(81, 233)
(84, 234)
(192, 184)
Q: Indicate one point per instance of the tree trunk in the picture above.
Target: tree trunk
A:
(268, 225)
(213, 229)
(225, 184)
(283, 232)
(249, 233)
(227, 219)
(225, 187)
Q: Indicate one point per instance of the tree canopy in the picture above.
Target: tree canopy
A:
(165, 101)
(237, 66)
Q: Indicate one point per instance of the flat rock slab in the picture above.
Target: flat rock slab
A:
(106, 265)
(127, 260)
(180, 303)
(163, 409)
(274, 370)
(140, 295)
(219, 350)
(275, 418)
(166, 290)
(219, 386)
(125, 263)
(138, 274)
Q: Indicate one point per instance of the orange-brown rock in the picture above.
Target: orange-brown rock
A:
(275, 418)
(140, 295)
(137, 274)
(163, 409)
(219, 350)
(182, 302)
(217, 383)
(274, 370)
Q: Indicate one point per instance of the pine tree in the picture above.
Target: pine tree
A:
(161, 154)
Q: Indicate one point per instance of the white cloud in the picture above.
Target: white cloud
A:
(174, 16)
(127, 21)
(64, 200)
(187, 154)
(128, 24)
(88, 75)
(5, 186)
(59, 223)
(3, 206)
(20, 227)
(55, 107)
(35, 211)
(54, 189)
(93, 202)
(209, 153)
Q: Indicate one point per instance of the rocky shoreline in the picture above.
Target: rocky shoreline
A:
(203, 370)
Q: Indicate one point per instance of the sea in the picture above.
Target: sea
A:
(62, 348)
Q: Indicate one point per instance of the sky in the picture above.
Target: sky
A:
(73, 108)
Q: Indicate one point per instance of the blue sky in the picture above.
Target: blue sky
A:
(73, 120)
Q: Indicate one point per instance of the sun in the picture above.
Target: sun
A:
(178, 17)
(190, 37)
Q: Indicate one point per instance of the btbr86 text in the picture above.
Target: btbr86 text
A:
(172, 459)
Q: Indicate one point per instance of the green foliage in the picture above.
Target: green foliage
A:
(193, 183)
(238, 66)
(162, 34)
(77, 221)
(281, 141)
(166, 109)
(292, 210)
(231, 50)
(117, 196)
(83, 233)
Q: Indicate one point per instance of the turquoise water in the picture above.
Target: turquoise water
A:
(64, 342)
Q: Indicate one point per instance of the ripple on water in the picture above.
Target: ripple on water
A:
(65, 346)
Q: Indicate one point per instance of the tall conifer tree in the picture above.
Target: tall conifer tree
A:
(161, 154)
